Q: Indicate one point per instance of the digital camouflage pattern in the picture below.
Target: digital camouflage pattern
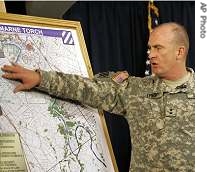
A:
(161, 119)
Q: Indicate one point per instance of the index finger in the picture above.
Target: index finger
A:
(10, 68)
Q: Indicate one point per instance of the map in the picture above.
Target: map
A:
(55, 135)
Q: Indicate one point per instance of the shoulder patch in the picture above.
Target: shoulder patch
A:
(120, 76)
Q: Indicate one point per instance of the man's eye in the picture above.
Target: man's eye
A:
(158, 48)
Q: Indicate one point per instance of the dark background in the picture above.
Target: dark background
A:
(116, 36)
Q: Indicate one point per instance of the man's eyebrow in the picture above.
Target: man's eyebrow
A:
(155, 46)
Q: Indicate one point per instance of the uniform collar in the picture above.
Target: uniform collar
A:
(160, 87)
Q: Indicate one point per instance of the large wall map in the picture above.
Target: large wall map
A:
(55, 135)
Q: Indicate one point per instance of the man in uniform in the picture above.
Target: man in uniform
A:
(159, 108)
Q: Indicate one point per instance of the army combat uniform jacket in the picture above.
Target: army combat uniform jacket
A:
(161, 118)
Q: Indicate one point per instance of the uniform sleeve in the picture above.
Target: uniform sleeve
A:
(100, 92)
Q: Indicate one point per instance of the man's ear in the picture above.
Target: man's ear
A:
(180, 52)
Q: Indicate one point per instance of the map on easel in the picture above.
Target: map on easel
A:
(55, 135)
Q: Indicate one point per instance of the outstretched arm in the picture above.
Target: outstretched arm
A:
(28, 78)
(100, 92)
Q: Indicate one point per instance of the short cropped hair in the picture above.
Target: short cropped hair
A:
(180, 34)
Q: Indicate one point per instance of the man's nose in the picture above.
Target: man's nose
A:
(151, 54)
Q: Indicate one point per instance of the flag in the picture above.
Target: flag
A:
(153, 21)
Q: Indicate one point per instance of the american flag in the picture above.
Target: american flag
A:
(153, 21)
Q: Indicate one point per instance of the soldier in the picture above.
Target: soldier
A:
(159, 108)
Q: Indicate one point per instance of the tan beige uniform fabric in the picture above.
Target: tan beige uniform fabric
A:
(161, 118)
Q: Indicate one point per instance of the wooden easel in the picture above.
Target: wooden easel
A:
(2, 7)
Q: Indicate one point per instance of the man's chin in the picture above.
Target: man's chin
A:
(156, 73)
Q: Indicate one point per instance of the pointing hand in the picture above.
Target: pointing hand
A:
(28, 78)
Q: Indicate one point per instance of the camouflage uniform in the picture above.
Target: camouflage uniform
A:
(161, 119)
